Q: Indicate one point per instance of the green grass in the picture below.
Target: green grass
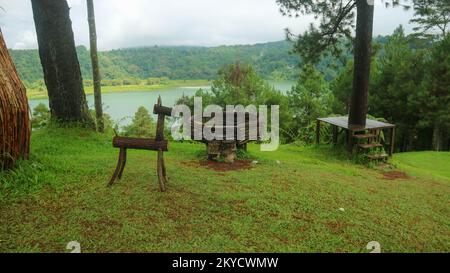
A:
(60, 196)
(425, 163)
(40, 94)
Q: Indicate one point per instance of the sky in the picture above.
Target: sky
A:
(135, 23)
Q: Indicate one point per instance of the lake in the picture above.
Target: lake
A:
(121, 106)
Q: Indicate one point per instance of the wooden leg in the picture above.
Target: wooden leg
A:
(350, 140)
(118, 167)
(335, 134)
(391, 141)
(318, 132)
(124, 161)
(162, 187)
(164, 169)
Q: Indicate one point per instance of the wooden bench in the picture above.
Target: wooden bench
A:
(158, 144)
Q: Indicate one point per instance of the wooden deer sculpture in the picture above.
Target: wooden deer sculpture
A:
(158, 144)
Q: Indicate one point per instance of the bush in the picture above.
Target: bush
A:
(108, 123)
(153, 81)
(309, 99)
(131, 81)
(142, 125)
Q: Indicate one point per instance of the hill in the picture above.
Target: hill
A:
(272, 60)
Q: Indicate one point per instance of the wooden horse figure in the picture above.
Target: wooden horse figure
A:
(158, 144)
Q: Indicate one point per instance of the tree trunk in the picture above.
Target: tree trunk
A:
(59, 61)
(95, 68)
(437, 138)
(362, 56)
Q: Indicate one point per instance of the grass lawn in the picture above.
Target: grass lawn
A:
(42, 94)
(286, 206)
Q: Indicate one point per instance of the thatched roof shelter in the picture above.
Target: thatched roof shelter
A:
(14, 112)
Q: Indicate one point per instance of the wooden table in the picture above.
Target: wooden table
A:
(342, 122)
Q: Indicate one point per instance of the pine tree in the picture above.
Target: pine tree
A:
(337, 19)
(431, 15)
(59, 61)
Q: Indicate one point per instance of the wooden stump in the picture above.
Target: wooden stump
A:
(222, 148)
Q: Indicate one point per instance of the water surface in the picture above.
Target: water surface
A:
(121, 106)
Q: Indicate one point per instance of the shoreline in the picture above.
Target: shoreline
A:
(33, 94)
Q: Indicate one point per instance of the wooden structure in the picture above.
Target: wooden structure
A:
(227, 148)
(158, 144)
(367, 138)
(15, 126)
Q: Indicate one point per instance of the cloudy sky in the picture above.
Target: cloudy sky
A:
(131, 23)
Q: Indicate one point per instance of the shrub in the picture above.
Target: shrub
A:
(41, 116)
(142, 124)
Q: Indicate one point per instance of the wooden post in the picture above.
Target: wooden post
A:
(124, 161)
(391, 141)
(335, 134)
(160, 160)
(350, 140)
(318, 132)
(120, 166)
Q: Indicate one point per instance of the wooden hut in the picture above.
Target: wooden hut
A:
(14, 112)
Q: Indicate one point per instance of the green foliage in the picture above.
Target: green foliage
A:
(25, 178)
(341, 87)
(431, 16)
(337, 22)
(336, 25)
(432, 101)
(108, 122)
(308, 100)
(41, 116)
(131, 81)
(401, 71)
(409, 87)
(271, 60)
(142, 124)
(239, 84)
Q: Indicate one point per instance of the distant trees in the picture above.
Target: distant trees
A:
(59, 61)
(142, 124)
(270, 60)
(400, 74)
(433, 100)
(95, 67)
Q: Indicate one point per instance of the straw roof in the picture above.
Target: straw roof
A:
(14, 112)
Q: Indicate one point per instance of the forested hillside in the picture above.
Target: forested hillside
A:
(271, 61)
